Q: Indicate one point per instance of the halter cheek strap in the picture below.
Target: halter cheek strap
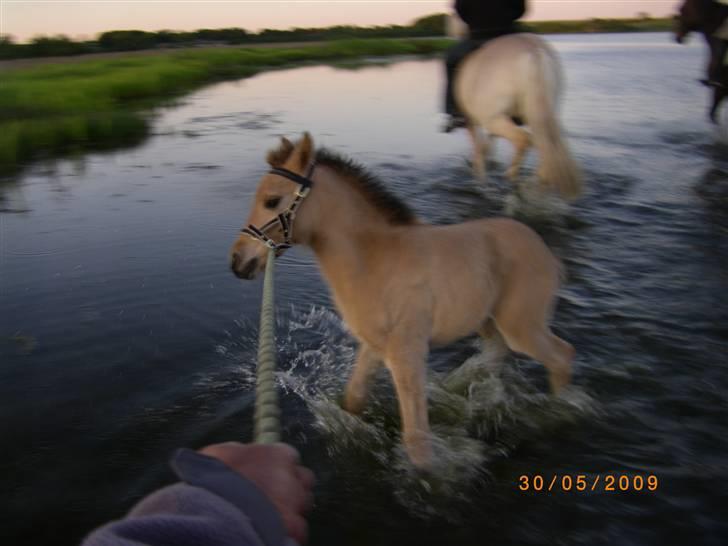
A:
(285, 219)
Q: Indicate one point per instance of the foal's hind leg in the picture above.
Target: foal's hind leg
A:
(553, 352)
(522, 318)
(366, 365)
(520, 138)
(495, 345)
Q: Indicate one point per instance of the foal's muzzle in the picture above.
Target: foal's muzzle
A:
(246, 270)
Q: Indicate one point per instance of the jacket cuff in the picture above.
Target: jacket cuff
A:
(215, 476)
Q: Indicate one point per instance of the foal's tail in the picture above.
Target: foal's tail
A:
(557, 169)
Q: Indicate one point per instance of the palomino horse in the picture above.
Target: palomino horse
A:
(400, 284)
(511, 80)
(706, 17)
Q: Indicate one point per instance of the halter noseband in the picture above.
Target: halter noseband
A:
(284, 219)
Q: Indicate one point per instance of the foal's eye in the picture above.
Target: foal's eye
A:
(271, 202)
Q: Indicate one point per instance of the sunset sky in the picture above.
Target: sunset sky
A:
(84, 19)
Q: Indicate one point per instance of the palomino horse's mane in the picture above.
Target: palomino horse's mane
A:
(395, 210)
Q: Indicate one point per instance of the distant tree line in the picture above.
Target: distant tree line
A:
(131, 40)
(431, 25)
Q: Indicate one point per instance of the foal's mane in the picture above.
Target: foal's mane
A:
(373, 190)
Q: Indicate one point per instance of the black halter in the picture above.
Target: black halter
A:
(284, 219)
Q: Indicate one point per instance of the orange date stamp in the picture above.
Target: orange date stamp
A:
(579, 483)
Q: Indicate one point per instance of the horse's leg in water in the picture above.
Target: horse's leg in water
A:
(718, 74)
(522, 317)
(503, 126)
(719, 93)
(366, 365)
(542, 345)
(494, 344)
(480, 151)
(405, 357)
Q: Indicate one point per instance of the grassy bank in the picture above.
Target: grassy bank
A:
(81, 104)
(87, 105)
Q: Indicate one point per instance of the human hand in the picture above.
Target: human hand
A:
(275, 470)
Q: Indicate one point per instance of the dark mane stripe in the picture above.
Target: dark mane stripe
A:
(396, 211)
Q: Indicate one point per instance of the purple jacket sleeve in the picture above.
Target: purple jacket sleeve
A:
(215, 507)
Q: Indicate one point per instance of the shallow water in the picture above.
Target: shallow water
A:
(123, 335)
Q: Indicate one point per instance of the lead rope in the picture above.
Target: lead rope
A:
(267, 412)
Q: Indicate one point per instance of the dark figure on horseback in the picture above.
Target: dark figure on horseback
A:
(486, 19)
(710, 18)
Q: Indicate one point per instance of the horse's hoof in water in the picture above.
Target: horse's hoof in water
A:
(350, 405)
(419, 450)
(425, 484)
(479, 173)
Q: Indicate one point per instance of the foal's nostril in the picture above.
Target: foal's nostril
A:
(248, 271)
(234, 261)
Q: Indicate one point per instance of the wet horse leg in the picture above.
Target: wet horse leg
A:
(542, 345)
(522, 317)
(717, 74)
(480, 151)
(406, 359)
(720, 92)
(366, 365)
(494, 343)
(520, 139)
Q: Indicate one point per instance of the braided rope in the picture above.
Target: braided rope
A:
(267, 411)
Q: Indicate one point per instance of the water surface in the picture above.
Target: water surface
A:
(123, 334)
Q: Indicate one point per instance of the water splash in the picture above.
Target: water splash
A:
(479, 412)
(530, 202)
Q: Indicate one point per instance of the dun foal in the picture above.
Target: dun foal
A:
(402, 285)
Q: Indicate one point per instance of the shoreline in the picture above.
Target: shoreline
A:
(588, 26)
(57, 109)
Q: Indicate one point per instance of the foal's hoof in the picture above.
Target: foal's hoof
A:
(419, 451)
(349, 405)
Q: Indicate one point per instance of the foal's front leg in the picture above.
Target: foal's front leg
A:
(406, 360)
(366, 365)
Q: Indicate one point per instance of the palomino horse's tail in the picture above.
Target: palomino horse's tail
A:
(557, 169)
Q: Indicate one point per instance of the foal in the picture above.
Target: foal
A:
(399, 284)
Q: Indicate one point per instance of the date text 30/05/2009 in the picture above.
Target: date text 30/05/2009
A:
(609, 483)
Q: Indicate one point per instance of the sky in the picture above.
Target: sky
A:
(84, 19)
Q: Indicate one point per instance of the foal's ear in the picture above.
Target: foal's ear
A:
(278, 157)
(304, 151)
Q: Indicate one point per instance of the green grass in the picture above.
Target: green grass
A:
(86, 105)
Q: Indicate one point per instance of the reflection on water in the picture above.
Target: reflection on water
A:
(123, 335)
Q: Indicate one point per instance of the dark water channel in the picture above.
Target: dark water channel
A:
(123, 334)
